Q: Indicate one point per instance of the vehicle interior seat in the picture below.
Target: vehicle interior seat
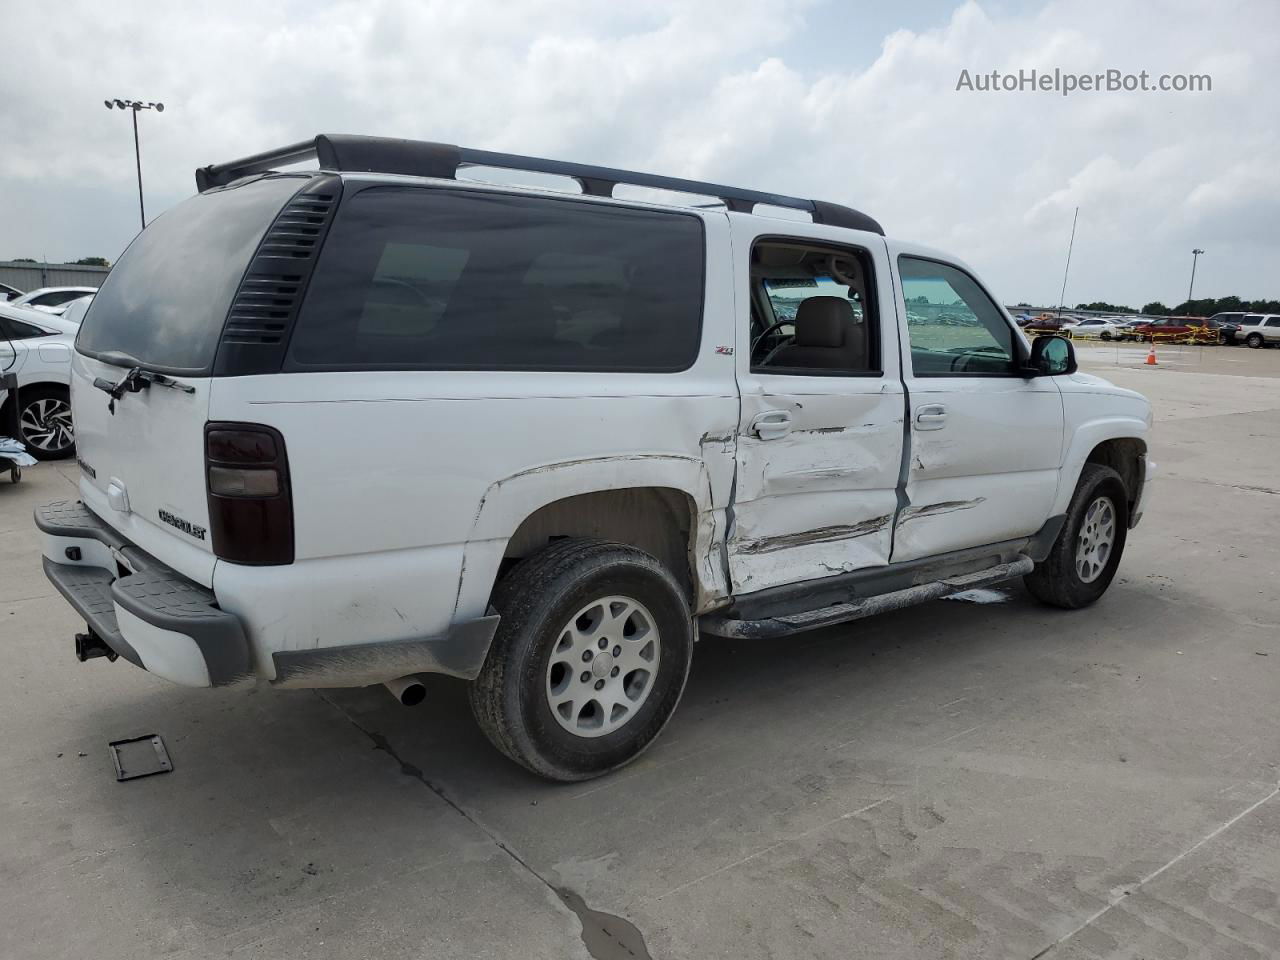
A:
(827, 337)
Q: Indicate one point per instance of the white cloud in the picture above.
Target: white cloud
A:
(715, 90)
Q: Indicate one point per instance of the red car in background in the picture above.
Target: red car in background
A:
(1181, 330)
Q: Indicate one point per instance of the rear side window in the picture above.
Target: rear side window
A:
(18, 330)
(414, 278)
(57, 298)
(164, 303)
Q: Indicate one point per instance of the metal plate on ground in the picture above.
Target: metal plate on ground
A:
(140, 757)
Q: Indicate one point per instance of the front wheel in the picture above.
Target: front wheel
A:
(1083, 560)
(589, 660)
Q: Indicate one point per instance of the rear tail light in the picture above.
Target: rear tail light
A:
(250, 501)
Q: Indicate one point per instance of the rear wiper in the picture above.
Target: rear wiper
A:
(137, 379)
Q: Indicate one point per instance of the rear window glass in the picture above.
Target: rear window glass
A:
(165, 301)
(57, 298)
(414, 278)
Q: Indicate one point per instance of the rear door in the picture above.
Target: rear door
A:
(12, 350)
(985, 442)
(162, 309)
(819, 446)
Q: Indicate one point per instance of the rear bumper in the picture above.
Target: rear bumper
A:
(146, 612)
(159, 620)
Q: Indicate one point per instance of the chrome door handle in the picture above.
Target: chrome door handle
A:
(771, 425)
(931, 417)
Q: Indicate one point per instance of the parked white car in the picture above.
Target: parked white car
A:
(8, 293)
(52, 299)
(73, 311)
(1259, 329)
(401, 424)
(37, 348)
(1101, 328)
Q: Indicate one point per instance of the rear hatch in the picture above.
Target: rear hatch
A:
(161, 311)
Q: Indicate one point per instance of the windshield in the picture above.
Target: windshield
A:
(164, 303)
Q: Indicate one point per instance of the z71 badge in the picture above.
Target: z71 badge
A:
(186, 526)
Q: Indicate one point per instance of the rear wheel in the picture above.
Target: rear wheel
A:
(589, 661)
(1083, 560)
(1254, 340)
(44, 420)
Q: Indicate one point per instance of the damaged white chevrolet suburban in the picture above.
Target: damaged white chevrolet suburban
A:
(355, 425)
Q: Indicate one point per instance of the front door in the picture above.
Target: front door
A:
(819, 445)
(985, 441)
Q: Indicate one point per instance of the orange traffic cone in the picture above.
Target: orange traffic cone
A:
(1151, 355)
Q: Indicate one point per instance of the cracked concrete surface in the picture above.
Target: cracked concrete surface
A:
(955, 780)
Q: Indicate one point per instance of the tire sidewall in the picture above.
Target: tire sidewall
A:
(1110, 486)
(566, 755)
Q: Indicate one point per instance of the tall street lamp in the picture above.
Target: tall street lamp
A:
(1195, 255)
(135, 106)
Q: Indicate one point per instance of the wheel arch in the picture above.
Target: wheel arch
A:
(1112, 443)
(24, 385)
(661, 504)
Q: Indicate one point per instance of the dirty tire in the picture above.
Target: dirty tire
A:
(1056, 580)
(536, 600)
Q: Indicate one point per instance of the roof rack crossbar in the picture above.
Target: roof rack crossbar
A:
(424, 158)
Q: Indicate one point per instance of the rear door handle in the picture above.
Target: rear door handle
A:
(771, 425)
(931, 417)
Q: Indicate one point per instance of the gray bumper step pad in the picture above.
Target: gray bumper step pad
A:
(153, 592)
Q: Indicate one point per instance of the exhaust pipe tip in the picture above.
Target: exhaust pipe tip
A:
(408, 690)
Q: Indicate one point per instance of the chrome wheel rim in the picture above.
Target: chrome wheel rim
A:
(46, 424)
(1096, 538)
(602, 666)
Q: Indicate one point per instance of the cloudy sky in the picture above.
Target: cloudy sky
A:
(847, 101)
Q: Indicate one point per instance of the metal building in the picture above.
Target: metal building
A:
(32, 276)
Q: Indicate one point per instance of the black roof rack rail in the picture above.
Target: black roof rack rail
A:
(343, 152)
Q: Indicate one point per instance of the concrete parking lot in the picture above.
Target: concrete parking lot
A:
(955, 780)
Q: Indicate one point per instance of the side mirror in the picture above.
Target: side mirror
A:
(1052, 356)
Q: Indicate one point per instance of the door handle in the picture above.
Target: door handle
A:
(931, 417)
(771, 425)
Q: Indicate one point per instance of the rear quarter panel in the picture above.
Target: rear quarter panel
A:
(398, 476)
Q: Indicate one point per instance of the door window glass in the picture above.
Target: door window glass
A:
(812, 310)
(954, 327)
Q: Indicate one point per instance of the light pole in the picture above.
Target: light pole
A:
(1195, 254)
(135, 106)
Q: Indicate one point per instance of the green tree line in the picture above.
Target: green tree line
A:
(1206, 307)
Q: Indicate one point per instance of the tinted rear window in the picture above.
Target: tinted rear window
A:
(165, 301)
(414, 278)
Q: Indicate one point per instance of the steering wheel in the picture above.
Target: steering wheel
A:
(755, 344)
(403, 285)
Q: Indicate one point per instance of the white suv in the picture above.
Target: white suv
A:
(1259, 329)
(401, 424)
